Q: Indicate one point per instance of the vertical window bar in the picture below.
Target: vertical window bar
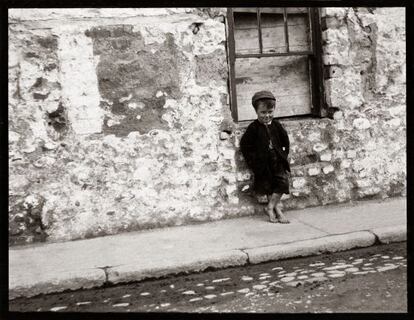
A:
(259, 23)
(232, 58)
(311, 46)
(286, 30)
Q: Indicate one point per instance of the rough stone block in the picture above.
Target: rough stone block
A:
(351, 154)
(326, 156)
(303, 248)
(361, 123)
(314, 171)
(345, 164)
(140, 271)
(298, 183)
(328, 169)
(391, 234)
(318, 147)
(49, 282)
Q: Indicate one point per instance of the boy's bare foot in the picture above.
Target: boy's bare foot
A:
(271, 214)
(280, 216)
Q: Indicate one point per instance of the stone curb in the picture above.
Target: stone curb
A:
(332, 243)
(391, 234)
(219, 260)
(83, 279)
(79, 279)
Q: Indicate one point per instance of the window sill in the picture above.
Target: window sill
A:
(308, 117)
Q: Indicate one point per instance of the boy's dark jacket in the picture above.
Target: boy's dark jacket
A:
(254, 146)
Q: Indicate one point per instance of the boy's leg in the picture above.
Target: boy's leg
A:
(279, 214)
(270, 209)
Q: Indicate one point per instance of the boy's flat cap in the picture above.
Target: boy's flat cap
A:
(262, 95)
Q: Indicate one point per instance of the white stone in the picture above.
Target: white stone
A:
(287, 279)
(245, 188)
(58, 308)
(195, 299)
(245, 278)
(243, 176)
(317, 264)
(224, 135)
(13, 136)
(338, 115)
(381, 269)
(294, 283)
(123, 99)
(328, 169)
(165, 304)
(245, 290)
(189, 292)
(132, 105)
(314, 171)
(394, 122)
(226, 293)
(363, 183)
(361, 123)
(51, 145)
(298, 183)
(336, 267)
(318, 147)
(351, 154)
(145, 294)
(124, 304)
(221, 280)
(83, 303)
(259, 287)
(210, 296)
(138, 117)
(352, 269)
(126, 296)
(327, 156)
(345, 164)
(291, 274)
(318, 274)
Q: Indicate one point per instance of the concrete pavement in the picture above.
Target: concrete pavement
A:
(54, 267)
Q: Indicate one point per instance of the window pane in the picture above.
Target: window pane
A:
(298, 29)
(273, 32)
(246, 33)
(286, 77)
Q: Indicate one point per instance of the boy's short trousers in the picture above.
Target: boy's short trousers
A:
(280, 184)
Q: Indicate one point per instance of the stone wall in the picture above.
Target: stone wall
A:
(359, 151)
(119, 120)
(115, 120)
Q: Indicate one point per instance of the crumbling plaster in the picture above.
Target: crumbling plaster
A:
(119, 119)
(103, 172)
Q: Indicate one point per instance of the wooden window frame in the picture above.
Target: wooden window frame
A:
(314, 55)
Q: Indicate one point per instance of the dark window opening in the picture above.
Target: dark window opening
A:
(275, 49)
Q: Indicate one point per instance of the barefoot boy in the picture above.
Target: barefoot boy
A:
(265, 147)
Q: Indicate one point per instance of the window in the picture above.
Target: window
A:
(275, 49)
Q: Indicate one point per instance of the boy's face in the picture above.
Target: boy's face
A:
(264, 113)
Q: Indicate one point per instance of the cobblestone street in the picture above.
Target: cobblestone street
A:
(364, 280)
